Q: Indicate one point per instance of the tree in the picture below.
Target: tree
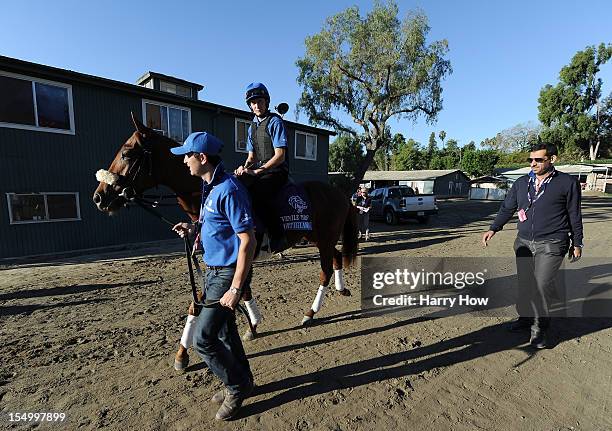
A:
(432, 145)
(383, 157)
(476, 163)
(409, 157)
(570, 111)
(345, 154)
(372, 69)
(516, 138)
(442, 136)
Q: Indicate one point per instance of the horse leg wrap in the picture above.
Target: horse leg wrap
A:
(338, 280)
(187, 337)
(253, 310)
(318, 301)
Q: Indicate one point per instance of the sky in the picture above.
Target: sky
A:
(502, 53)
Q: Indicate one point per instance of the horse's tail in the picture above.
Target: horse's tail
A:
(350, 241)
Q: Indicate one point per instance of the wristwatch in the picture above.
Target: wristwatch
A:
(234, 291)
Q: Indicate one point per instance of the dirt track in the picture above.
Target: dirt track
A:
(94, 338)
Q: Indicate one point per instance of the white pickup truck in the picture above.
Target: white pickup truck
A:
(400, 202)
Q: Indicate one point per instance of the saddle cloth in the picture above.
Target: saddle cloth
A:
(294, 208)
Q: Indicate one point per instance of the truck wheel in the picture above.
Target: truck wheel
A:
(423, 219)
(390, 217)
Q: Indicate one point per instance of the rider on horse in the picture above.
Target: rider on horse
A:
(266, 168)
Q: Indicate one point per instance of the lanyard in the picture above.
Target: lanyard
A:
(537, 195)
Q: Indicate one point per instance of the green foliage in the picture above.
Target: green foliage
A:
(442, 136)
(372, 68)
(569, 110)
(477, 163)
(383, 157)
(409, 157)
(345, 154)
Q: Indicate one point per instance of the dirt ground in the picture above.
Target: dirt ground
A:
(94, 337)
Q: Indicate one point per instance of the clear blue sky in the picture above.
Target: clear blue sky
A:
(502, 52)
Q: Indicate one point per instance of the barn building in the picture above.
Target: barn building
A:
(58, 127)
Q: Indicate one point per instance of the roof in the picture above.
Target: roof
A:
(43, 71)
(150, 75)
(408, 175)
(582, 169)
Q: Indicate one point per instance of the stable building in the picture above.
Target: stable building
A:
(58, 127)
(441, 182)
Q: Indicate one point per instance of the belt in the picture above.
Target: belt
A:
(216, 268)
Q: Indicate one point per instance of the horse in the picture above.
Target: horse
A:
(144, 161)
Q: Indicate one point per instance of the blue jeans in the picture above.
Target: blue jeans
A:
(216, 337)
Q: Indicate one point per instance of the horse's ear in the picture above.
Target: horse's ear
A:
(137, 124)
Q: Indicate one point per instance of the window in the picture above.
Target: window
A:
(35, 104)
(179, 90)
(171, 121)
(43, 207)
(242, 133)
(305, 146)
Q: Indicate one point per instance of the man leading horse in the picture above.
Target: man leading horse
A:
(228, 239)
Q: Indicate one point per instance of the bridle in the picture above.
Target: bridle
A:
(143, 163)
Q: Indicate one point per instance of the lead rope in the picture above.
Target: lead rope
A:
(192, 258)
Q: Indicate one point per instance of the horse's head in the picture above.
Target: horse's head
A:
(130, 173)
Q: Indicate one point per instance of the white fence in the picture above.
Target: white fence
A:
(487, 194)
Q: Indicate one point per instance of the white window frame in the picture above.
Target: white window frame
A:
(295, 146)
(167, 105)
(37, 127)
(46, 220)
(240, 120)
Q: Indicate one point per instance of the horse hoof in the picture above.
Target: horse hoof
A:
(248, 336)
(345, 292)
(181, 363)
(306, 320)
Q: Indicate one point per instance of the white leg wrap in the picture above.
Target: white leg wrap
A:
(318, 301)
(253, 310)
(187, 338)
(338, 280)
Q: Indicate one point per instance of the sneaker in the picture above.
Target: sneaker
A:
(232, 403)
(520, 324)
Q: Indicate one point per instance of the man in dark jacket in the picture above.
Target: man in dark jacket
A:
(550, 225)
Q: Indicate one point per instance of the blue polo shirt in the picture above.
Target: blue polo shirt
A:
(225, 212)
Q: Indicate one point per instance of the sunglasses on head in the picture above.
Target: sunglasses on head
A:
(537, 159)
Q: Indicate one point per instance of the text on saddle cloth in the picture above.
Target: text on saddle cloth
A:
(294, 208)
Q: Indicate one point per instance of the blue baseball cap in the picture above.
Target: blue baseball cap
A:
(199, 142)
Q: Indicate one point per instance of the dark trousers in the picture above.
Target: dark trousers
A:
(264, 191)
(216, 337)
(537, 264)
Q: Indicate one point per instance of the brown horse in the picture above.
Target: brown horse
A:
(144, 161)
